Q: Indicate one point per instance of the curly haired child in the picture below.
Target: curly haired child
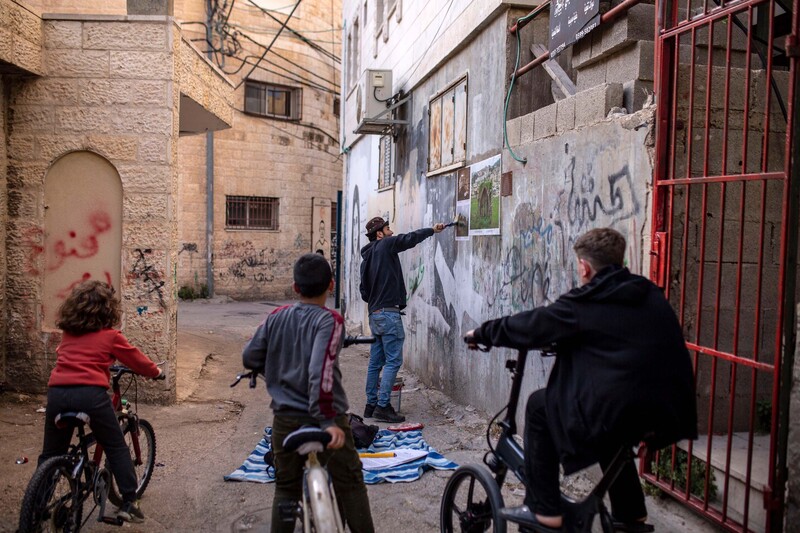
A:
(80, 382)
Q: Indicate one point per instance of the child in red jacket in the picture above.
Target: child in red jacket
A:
(80, 382)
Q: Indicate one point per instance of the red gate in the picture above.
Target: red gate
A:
(724, 243)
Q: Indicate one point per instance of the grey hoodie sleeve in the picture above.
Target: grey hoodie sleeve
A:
(254, 355)
(321, 368)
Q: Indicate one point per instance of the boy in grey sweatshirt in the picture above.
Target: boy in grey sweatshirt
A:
(297, 348)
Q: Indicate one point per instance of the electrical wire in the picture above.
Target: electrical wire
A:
(296, 33)
(283, 25)
(508, 96)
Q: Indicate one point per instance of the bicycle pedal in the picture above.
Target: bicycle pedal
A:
(111, 520)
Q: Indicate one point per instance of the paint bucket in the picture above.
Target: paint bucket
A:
(396, 394)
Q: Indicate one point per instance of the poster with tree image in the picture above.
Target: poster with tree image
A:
(462, 204)
(484, 213)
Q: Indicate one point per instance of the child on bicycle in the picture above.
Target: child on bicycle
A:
(622, 373)
(297, 349)
(79, 382)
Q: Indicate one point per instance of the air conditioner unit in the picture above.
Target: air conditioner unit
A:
(378, 93)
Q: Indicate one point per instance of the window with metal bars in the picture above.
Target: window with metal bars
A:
(275, 101)
(251, 212)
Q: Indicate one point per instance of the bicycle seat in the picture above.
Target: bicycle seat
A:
(306, 440)
(71, 419)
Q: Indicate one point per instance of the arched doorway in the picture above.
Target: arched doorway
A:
(83, 227)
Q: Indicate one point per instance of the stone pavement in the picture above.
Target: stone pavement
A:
(213, 427)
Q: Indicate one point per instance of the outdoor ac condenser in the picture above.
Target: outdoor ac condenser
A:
(378, 92)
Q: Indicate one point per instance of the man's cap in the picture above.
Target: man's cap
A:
(376, 224)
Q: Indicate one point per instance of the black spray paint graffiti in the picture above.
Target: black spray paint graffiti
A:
(541, 244)
(256, 266)
(146, 277)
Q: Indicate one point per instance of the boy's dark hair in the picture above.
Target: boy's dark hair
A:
(601, 247)
(91, 306)
(312, 275)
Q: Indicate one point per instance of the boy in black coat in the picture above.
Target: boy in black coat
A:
(622, 372)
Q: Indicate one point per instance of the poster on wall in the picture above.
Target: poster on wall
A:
(462, 204)
(484, 202)
(320, 226)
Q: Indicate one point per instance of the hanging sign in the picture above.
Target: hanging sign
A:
(570, 21)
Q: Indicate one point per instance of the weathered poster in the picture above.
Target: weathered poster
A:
(320, 227)
(484, 212)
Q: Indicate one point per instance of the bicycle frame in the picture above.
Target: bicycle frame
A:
(507, 455)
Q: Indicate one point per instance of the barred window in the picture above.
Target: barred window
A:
(253, 212)
(275, 101)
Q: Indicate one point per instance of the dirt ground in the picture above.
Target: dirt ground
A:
(213, 428)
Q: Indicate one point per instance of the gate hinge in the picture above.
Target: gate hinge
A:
(792, 46)
(658, 259)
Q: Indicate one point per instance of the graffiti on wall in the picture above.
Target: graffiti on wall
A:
(247, 264)
(148, 281)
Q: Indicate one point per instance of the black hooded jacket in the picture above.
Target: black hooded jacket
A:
(382, 283)
(622, 369)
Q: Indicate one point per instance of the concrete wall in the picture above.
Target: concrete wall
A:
(294, 161)
(584, 172)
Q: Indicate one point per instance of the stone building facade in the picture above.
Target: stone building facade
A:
(273, 178)
(94, 106)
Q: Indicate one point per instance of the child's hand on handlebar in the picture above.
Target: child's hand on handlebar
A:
(337, 437)
(473, 343)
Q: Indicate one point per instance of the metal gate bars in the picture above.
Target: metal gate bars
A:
(724, 245)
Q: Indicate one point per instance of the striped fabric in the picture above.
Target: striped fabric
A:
(254, 468)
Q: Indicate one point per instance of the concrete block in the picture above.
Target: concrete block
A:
(526, 128)
(513, 131)
(544, 122)
(594, 104)
(565, 115)
(591, 76)
(125, 36)
(635, 93)
(631, 63)
(637, 25)
(62, 34)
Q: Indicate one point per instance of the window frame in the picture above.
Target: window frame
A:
(295, 102)
(245, 203)
(432, 101)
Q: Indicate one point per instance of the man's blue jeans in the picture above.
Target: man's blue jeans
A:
(386, 353)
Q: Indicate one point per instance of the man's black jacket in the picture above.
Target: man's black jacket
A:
(622, 369)
(382, 283)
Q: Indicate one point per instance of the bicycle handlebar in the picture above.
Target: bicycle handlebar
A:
(355, 339)
(120, 370)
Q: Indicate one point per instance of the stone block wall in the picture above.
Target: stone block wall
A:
(294, 161)
(108, 87)
(20, 37)
(3, 223)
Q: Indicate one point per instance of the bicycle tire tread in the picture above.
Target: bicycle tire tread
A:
(28, 521)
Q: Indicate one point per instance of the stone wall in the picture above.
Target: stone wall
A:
(294, 161)
(3, 223)
(107, 88)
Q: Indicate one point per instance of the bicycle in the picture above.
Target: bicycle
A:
(55, 496)
(481, 512)
(318, 509)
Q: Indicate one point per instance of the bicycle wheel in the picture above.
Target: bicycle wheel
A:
(144, 465)
(471, 502)
(51, 499)
(324, 512)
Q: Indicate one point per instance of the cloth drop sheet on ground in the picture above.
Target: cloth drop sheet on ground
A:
(412, 457)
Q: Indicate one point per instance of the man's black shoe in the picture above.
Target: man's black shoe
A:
(368, 410)
(388, 414)
(522, 515)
